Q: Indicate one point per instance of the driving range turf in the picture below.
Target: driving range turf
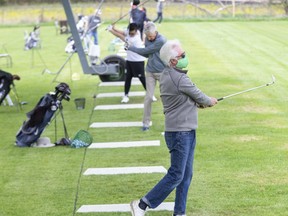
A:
(241, 156)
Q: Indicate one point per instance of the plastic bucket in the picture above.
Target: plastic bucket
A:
(80, 103)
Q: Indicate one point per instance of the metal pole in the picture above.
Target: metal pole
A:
(77, 41)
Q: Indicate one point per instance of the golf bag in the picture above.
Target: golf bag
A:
(85, 27)
(70, 47)
(41, 115)
(6, 80)
(32, 40)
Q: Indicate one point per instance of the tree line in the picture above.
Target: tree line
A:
(28, 2)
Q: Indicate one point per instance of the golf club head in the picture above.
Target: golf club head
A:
(273, 79)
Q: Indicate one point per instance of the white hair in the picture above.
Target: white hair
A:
(168, 51)
(150, 27)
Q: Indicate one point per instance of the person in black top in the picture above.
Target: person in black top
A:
(94, 21)
(137, 16)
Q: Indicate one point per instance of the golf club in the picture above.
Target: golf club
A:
(251, 89)
(99, 7)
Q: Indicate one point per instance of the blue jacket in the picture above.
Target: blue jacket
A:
(138, 16)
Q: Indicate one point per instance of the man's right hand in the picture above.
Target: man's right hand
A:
(214, 101)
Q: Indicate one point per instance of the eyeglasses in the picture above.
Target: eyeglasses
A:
(181, 56)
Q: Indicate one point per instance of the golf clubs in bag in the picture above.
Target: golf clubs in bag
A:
(6, 80)
(41, 115)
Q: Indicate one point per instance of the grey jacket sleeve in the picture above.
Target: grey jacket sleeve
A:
(146, 51)
(187, 87)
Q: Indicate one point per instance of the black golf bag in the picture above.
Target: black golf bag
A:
(41, 115)
(6, 80)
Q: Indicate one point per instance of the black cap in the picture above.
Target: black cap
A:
(136, 2)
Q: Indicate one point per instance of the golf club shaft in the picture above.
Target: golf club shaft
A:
(99, 7)
(16, 96)
(241, 92)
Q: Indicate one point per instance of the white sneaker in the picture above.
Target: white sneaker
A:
(125, 99)
(135, 209)
(154, 99)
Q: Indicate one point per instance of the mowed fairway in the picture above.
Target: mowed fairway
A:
(241, 162)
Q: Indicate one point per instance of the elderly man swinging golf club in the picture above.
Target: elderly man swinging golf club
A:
(180, 98)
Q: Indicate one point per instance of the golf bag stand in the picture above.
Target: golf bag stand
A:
(41, 115)
(65, 140)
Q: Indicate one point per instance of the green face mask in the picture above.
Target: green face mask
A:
(182, 63)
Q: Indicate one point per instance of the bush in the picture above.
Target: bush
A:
(3, 2)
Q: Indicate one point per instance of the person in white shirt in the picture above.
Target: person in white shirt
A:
(134, 62)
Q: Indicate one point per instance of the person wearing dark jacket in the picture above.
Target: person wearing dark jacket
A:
(138, 16)
(181, 99)
(94, 21)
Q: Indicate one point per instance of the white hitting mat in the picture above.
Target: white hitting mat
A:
(119, 106)
(121, 94)
(166, 206)
(135, 81)
(125, 170)
(125, 144)
(116, 124)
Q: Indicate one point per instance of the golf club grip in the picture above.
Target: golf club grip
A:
(219, 99)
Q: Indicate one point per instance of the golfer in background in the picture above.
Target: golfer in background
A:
(137, 16)
(134, 62)
(160, 6)
(153, 43)
(181, 99)
(94, 21)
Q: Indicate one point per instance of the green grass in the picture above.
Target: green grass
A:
(241, 156)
